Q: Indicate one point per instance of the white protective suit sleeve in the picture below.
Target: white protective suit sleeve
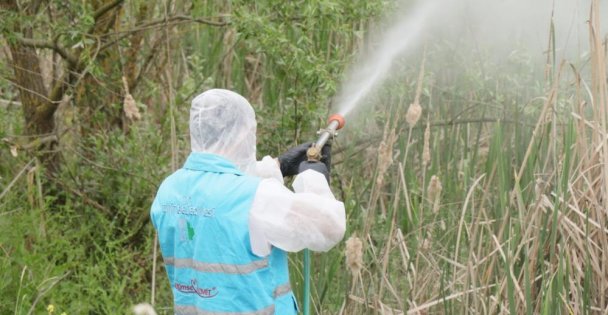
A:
(309, 218)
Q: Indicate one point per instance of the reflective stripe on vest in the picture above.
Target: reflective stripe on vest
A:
(281, 290)
(193, 310)
(215, 267)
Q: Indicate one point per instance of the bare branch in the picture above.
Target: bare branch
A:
(60, 87)
(170, 19)
(158, 23)
(198, 20)
(109, 6)
(146, 63)
(38, 43)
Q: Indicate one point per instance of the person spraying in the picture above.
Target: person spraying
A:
(225, 221)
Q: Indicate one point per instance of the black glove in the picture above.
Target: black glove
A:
(315, 166)
(326, 156)
(290, 160)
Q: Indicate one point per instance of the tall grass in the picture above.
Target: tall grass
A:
(492, 202)
(521, 226)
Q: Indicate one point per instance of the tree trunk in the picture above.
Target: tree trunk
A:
(38, 109)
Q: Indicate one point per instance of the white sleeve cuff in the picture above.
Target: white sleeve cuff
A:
(268, 167)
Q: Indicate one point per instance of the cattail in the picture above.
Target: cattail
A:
(385, 153)
(539, 187)
(129, 106)
(513, 198)
(415, 110)
(426, 151)
(383, 162)
(426, 244)
(413, 114)
(143, 309)
(354, 255)
(435, 187)
(434, 192)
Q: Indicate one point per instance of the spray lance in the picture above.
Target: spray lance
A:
(313, 154)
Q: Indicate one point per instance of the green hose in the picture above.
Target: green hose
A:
(306, 282)
(336, 121)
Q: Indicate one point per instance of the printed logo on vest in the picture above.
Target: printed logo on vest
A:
(193, 288)
(186, 231)
(187, 208)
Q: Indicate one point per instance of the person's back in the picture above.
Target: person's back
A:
(201, 213)
(223, 232)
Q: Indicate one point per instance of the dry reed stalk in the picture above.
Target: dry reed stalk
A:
(412, 116)
(385, 160)
(426, 151)
(472, 275)
(379, 307)
(581, 149)
(439, 300)
(408, 204)
(426, 156)
(405, 256)
(388, 247)
(541, 122)
(415, 110)
(600, 101)
(461, 221)
(385, 153)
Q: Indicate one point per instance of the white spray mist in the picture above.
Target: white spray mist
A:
(373, 68)
(497, 26)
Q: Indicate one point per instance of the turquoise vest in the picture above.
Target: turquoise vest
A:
(201, 213)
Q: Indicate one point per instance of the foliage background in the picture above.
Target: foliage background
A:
(518, 226)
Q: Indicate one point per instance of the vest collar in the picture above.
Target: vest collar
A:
(208, 162)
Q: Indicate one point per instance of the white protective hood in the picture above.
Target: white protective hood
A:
(223, 122)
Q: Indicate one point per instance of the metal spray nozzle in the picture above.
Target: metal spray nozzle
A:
(335, 122)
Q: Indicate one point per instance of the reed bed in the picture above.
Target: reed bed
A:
(489, 216)
(464, 194)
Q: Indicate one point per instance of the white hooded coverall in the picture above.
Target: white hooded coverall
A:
(223, 122)
(223, 234)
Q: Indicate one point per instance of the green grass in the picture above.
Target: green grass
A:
(518, 227)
